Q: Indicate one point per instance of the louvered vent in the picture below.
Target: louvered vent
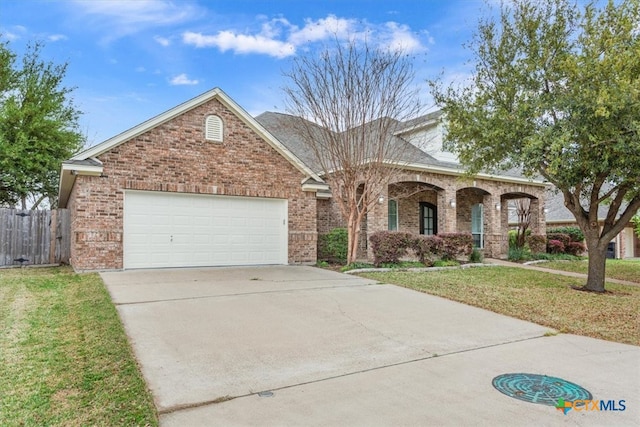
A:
(213, 128)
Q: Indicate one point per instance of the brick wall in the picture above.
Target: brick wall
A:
(441, 190)
(175, 157)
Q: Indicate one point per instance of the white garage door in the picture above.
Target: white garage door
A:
(188, 230)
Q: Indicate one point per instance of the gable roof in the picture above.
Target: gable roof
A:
(283, 127)
(86, 163)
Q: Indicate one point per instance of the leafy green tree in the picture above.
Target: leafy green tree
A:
(636, 224)
(38, 127)
(556, 92)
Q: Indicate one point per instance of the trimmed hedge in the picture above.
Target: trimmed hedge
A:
(427, 247)
(456, 244)
(390, 246)
(332, 246)
(537, 243)
(564, 238)
(555, 247)
(575, 234)
(575, 248)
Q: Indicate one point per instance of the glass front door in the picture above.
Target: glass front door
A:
(428, 218)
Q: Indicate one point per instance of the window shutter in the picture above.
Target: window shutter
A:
(213, 128)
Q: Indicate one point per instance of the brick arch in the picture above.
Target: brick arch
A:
(437, 180)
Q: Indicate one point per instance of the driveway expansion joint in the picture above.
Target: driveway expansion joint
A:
(239, 294)
(223, 399)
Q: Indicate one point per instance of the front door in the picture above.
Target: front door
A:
(428, 218)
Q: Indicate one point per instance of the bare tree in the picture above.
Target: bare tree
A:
(350, 99)
(523, 211)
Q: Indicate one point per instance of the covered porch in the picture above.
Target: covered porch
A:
(435, 205)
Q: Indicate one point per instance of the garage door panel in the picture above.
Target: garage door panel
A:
(176, 230)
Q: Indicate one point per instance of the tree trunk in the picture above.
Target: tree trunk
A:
(597, 265)
(353, 232)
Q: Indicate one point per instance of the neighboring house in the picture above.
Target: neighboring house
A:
(205, 184)
(625, 245)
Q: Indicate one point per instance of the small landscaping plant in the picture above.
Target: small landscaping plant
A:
(555, 246)
(537, 243)
(476, 256)
(575, 234)
(456, 245)
(332, 246)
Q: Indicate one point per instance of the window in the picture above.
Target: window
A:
(477, 225)
(213, 128)
(428, 218)
(393, 215)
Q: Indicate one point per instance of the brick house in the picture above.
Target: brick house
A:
(432, 195)
(206, 184)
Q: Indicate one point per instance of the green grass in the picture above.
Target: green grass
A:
(543, 298)
(616, 268)
(64, 356)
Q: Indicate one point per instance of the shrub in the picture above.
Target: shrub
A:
(518, 254)
(332, 246)
(562, 237)
(389, 246)
(575, 248)
(575, 234)
(555, 247)
(456, 244)
(513, 235)
(476, 256)
(537, 243)
(427, 247)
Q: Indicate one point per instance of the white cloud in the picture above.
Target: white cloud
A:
(119, 18)
(140, 69)
(162, 41)
(14, 32)
(279, 38)
(322, 29)
(57, 37)
(240, 43)
(182, 79)
(400, 37)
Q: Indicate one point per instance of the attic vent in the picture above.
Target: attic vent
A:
(213, 128)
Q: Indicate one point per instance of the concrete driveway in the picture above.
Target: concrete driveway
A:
(293, 345)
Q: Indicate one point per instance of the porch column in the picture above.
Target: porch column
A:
(377, 219)
(538, 221)
(447, 214)
(494, 233)
(504, 229)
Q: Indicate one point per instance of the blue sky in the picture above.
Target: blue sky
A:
(130, 60)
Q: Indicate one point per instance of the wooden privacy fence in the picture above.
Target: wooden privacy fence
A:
(34, 237)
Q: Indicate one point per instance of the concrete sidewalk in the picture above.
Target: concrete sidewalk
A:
(537, 267)
(293, 345)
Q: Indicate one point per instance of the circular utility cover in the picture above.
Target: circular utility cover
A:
(539, 389)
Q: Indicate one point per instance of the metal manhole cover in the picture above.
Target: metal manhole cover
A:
(539, 389)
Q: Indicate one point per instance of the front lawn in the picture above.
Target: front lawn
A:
(616, 268)
(543, 298)
(64, 356)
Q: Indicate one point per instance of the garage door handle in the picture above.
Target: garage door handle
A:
(171, 240)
